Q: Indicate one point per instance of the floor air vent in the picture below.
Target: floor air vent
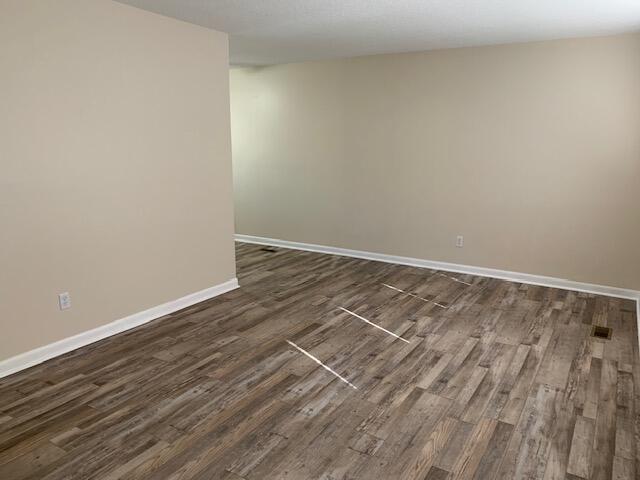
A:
(601, 332)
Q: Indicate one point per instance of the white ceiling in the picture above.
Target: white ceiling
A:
(280, 31)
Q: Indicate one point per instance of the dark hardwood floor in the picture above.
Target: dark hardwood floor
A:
(490, 379)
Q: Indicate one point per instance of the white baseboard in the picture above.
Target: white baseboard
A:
(527, 278)
(47, 352)
(450, 267)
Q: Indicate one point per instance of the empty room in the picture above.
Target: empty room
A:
(319, 239)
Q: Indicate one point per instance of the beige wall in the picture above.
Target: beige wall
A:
(115, 169)
(530, 151)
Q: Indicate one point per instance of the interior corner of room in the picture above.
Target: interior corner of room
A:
(529, 151)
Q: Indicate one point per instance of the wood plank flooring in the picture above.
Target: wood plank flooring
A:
(498, 380)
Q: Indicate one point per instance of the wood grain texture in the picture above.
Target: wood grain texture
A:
(498, 381)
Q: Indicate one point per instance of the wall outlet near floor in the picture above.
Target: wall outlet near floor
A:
(459, 241)
(64, 300)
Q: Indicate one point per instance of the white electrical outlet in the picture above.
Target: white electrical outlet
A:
(459, 241)
(64, 300)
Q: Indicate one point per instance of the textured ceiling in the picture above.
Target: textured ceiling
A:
(280, 31)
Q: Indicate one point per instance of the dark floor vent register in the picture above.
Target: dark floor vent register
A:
(601, 332)
(493, 383)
